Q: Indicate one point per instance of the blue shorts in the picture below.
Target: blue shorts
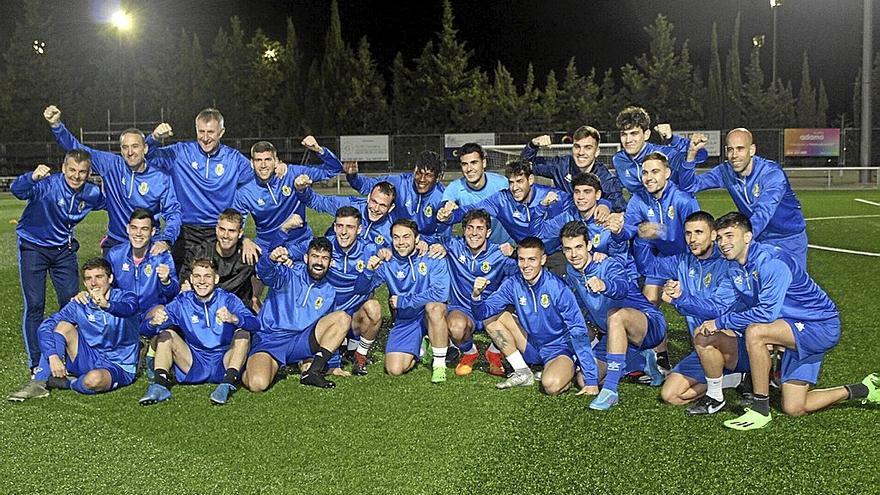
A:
(469, 313)
(286, 348)
(795, 245)
(690, 366)
(812, 340)
(207, 367)
(88, 359)
(656, 330)
(406, 336)
(654, 281)
(634, 359)
(542, 355)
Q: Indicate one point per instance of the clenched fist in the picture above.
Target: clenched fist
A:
(41, 172)
(163, 131)
(52, 115)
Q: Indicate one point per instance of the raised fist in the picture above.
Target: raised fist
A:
(160, 316)
(163, 131)
(52, 115)
(480, 284)
(163, 271)
(445, 212)
(596, 284)
(350, 168)
(312, 144)
(665, 130)
(279, 254)
(550, 198)
(226, 316)
(41, 172)
(541, 141)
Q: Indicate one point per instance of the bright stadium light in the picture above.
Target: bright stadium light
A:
(39, 47)
(271, 54)
(122, 20)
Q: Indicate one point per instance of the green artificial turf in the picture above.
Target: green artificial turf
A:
(377, 434)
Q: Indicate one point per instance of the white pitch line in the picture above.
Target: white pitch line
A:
(842, 218)
(846, 251)
(872, 203)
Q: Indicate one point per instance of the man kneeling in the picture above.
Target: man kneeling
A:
(205, 334)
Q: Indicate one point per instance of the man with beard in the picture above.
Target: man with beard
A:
(563, 169)
(130, 182)
(476, 184)
(418, 287)
(298, 320)
(204, 335)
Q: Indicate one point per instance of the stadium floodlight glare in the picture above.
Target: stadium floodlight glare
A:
(775, 3)
(758, 41)
(39, 47)
(122, 20)
(271, 54)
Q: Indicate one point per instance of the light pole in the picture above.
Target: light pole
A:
(774, 6)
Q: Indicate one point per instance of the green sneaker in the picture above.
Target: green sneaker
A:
(751, 420)
(438, 375)
(872, 381)
(34, 389)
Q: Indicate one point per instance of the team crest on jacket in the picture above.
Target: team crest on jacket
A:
(217, 318)
(285, 190)
(429, 211)
(82, 205)
(148, 270)
(756, 191)
(485, 267)
(319, 302)
(707, 279)
(596, 239)
(380, 239)
(545, 301)
(423, 268)
(671, 212)
(359, 266)
(522, 300)
(144, 188)
(219, 169)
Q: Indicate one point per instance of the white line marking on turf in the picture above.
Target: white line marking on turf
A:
(872, 203)
(842, 218)
(846, 251)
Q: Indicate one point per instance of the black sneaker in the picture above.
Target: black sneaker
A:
(744, 389)
(452, 355)
(706, 405)
(316, 380)
(359, 365)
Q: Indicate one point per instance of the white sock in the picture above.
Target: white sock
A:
(492, 348)
(439, 357)
(731, 380)
(713, 388)
(516, 360)
(364, 346)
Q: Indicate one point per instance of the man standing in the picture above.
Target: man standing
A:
(762, 192)
(129, 183)
(562, 169)
(46, 238)
(204, 336)
(94, 338)
(476, 185)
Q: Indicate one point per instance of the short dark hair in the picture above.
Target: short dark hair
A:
(586, 131)
(349, 212)
(478, 214)
(408, 223)
(262, 147)
(430, 161)
(701, 216)
(531, 242)
(140, 214)
(386, 188)
(573, 229)
(587, 179)
(321, 245)
(468, 148)
(734, 219)
(204, 263)
(98, 262)
(79, 156)
(231, 215)
(631, 117)
(517, 168)
(656, 155)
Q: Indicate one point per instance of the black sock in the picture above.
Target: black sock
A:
(163, 379)
(233, 377)
(320, 360)
(663, 360)
(761, 404)
(856, 391)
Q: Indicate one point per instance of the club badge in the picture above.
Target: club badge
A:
(82, 205)
(596, 239)
(285, 190)
(319, 302)
(380, 240)
(359, 266)
(429, 211)
(148, 270)
(485, 267)
(423, 268)
(671, 212)
(144, 188)
(756, 191)
(219, 169)
(707, 279)
(545, 301)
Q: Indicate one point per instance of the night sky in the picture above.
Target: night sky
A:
(601, 34)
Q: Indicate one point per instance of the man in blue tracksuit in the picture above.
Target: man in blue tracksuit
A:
(545, 327)
(93, 338)
(205, 334)
(270, 199)
(152, 278)
(374, 209)
(419, 194)
(46, 240)
(616, 307)
(418, 286)
(718, 360)
(205, 174)
(784, 307)
(583, 159)
(299, 319)
(634, 125)
(515, 207)
(469, 257)
(476, 184)
(129, 183)
(350, 257)
(761, 191)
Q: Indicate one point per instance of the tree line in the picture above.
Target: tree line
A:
(268, 87)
